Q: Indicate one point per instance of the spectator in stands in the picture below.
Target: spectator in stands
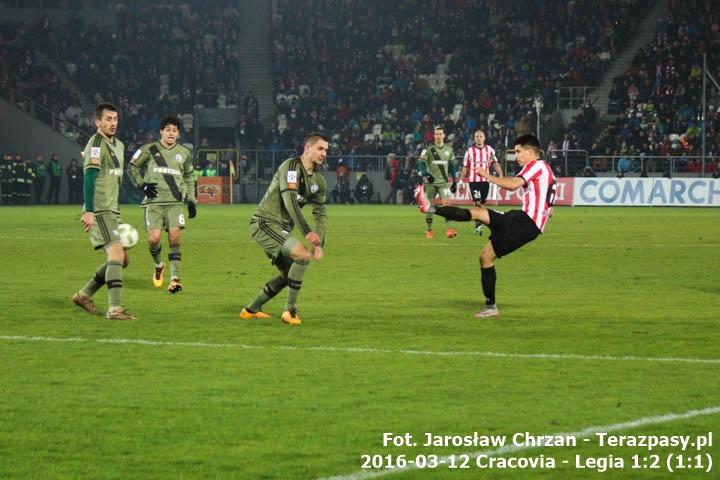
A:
(624, 164)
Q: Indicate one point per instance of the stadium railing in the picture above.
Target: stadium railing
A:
(570, 163)
(689, 166)
(38, 111)
(572, 97)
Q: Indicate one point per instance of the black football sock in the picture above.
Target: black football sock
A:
(488, 284)
(454, 213)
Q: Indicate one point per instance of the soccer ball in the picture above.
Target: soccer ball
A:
(128, 235)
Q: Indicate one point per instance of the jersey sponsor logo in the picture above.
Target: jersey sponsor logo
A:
(314, 188)
(137, 153)
(439, 162)
(116, 171)
(166, 170)
(95, 152)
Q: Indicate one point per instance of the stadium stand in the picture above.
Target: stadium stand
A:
(381, 74)
(160, 59)
(658, 101)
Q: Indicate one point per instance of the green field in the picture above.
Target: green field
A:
(606, 319)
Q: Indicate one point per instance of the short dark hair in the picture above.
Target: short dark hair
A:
(313, 137)
(528, 140)
(439, 127)
(102, 107)
(171, 119)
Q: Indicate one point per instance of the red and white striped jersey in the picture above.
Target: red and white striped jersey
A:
(539, 192)
(478, 157)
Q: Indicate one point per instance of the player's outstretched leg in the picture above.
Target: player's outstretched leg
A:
(454, 213)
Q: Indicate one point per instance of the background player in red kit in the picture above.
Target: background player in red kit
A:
(511, 230)
(477, 156)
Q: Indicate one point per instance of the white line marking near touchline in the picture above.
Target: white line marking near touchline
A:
(640, 422)
(538, 356)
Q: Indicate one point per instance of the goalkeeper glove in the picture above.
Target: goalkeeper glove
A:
(453, 188)
(430, 178)
(192, 209)
(149, 189)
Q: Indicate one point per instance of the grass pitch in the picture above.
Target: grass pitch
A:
(191, 391)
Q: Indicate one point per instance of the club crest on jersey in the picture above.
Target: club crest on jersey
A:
(314, 188)
(178, 157)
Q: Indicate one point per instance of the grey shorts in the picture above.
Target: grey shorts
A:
(272, 237)
(163, 217)
(104, 231)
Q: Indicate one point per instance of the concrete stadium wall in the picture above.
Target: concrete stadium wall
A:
(23, 134)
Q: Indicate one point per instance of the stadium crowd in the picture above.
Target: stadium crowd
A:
(161, 58)
(377, 76)
(659, 99)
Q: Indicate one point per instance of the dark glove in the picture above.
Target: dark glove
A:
(453, 188)
(192, 209)
(149, 189)
(430, 178)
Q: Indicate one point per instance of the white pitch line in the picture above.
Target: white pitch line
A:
(539, 356)
(640, 422)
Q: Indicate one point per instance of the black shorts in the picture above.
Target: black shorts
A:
(479, 191)
(510, 231)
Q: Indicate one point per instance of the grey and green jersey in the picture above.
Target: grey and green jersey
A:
(290, 190)
(107, 156)
(438, 162)
(170, 168)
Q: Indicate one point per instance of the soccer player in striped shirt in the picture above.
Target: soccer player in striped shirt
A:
(511, 230)
(295, 184)
(477, 156)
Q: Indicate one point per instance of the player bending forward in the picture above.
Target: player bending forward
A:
(295, 184)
